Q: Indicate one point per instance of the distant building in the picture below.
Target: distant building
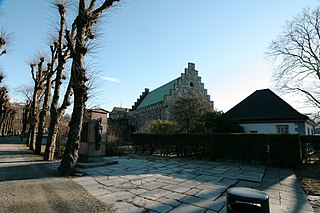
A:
(156, 104)
(265, 112)
(119, 123)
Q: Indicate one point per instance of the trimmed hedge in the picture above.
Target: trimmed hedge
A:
(277, 149)
(285, 150)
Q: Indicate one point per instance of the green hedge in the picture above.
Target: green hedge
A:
(235, 147)
(282, 150)
(285, 150)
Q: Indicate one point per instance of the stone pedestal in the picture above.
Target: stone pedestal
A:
(88, 152)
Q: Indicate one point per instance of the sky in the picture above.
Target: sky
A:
(147, 43)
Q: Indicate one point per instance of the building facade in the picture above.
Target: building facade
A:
(157, 104)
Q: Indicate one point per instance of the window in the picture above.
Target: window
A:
(283, 129)
(191, 84)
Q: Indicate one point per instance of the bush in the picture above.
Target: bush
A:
(211, 121)
(161, 127)
(116, 146)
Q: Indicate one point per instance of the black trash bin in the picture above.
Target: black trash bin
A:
(242, 199)
(244, 208)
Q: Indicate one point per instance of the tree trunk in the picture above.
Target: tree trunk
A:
(55, 116)
(39, 135)
(55, 112)
(4, 125)
(45, 106)
(83, 25)
(2, 122)
(33, 119)
(38, 88)
(77, 80)
(51, 140)
(70, 156)
(25, 119)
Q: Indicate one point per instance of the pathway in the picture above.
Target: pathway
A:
(142, 184)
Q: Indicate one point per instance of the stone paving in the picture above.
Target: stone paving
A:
(155, 184)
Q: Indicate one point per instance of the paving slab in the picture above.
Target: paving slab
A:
(187, 208)
(163, 184)
(126, 207)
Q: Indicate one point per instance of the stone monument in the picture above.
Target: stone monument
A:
(93, 136)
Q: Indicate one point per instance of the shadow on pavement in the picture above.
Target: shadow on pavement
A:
(19, 163)
(32, 170)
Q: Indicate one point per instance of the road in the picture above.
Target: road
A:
(28, 184)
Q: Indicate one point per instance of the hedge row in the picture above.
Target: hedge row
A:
(277, 149)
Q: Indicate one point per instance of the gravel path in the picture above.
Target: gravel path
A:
(28, 184)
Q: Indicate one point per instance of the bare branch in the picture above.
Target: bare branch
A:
(296, 54)
(104, 6)
(309, 96)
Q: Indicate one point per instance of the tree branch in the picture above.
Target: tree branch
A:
(104, 6)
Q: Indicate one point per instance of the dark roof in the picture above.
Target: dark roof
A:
(265, 105)
(100, 110)
(158, 94)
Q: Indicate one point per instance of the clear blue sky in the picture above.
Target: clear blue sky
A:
(147, 43)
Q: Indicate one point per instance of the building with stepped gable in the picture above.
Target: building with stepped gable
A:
(157, 104)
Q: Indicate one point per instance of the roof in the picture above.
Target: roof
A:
(119, 109)
(265, 105)
(100, 110)
(158, 94)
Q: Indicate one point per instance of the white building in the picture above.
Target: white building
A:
(265, 112)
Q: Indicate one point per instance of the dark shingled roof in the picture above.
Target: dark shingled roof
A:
(264, 105)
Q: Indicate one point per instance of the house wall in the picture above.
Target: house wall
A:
(293, 128)
(268, 127)
(309, 129)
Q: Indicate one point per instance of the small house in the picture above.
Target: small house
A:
(265, 112)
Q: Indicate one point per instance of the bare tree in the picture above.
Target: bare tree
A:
(39, 77)
(27, 91)
(4, 37)
(4, 106)
(3, 90)
(7, 112)
(296, 53)
(9, 117)
(55, 111)
(84, 32)
(47, 92)
(25, 120)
